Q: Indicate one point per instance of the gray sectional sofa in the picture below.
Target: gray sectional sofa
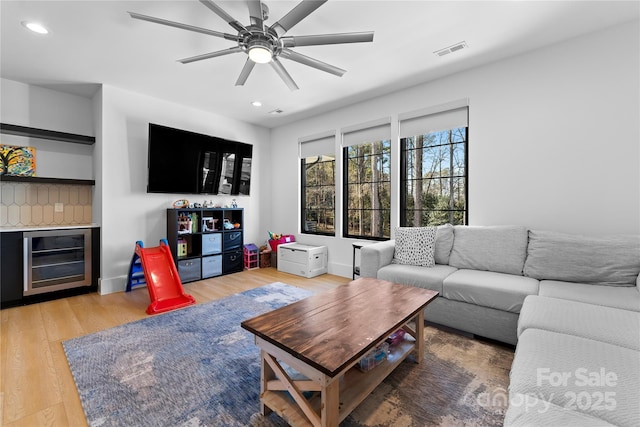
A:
(570, 303)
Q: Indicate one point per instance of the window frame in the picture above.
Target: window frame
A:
(345, 193)
(303, 200)
(404, 180)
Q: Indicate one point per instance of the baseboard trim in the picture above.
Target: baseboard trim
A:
(112, 285)
(119, 283)
(342, 270)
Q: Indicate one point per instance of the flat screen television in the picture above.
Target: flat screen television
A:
(186, 162)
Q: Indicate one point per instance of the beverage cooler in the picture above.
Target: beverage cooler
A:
(56, 259)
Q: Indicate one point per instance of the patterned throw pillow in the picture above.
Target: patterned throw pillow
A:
(415, 246)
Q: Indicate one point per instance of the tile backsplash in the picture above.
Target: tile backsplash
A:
(28, 204)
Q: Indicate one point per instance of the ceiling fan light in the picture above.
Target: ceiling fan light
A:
(260, 54)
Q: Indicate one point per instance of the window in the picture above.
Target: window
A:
(433, 172)
(367, 181)
(318, 185)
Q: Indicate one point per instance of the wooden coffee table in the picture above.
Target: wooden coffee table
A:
(323, 337)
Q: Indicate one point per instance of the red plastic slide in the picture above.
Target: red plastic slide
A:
(163, 282)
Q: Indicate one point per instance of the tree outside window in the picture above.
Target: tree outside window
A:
(367, 190)
(318, 194)
(434, 178)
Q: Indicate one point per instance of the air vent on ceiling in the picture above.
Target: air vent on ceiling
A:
(451, 49)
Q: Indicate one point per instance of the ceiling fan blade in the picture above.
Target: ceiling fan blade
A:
(255, 13)
(244, 74)
(224, 15)
(211, 55)
(183, 26)
(295, 15)
(276, 65)
(321, 39)
(303, 59)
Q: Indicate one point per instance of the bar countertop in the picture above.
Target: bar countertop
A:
(12, 228)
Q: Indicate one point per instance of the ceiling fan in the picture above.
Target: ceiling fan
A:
(267, 43)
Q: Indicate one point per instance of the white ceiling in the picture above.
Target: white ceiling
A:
(93, 42)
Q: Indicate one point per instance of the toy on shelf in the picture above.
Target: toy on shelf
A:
(181, 203)
(182, 248)
(194, 222)
(188, 223)
(162, 279)
(209, 223)
(184, 224)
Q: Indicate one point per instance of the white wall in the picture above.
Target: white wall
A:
(37, 107)
(128, 213)
(554, 144)
(118, 162)
(554, 140)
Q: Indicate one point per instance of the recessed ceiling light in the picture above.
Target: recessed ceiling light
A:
(256, 104)
(35, 27)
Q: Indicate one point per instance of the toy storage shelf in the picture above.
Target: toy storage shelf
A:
(200, 244)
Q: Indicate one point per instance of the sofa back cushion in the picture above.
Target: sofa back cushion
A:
(444, 243)
(491, 248)
(609, 260)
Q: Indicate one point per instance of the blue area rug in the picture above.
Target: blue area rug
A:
(191, 367)
(197, 367)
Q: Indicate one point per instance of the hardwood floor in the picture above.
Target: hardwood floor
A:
(36, 386)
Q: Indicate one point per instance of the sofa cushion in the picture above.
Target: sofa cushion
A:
(421, 277)
(553, 367)
(488, 289)
(528, 410)
(444, 243)
(626, 298)
(612, 260)
(492, 248)
(415, 246)
(606, 324)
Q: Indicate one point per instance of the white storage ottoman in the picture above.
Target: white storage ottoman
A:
(302, 260)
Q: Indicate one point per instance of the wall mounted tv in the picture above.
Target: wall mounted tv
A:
(191, 163)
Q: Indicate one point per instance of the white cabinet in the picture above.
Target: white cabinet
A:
(302, 260)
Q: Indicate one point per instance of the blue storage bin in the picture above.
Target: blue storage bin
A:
(211, 243)
(211, 266)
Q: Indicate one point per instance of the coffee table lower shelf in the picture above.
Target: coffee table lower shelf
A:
(354, 387)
